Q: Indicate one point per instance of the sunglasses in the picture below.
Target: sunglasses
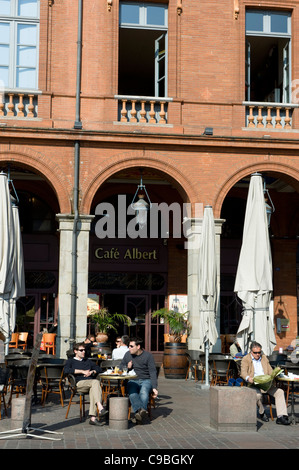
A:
(81, 350)
(131, 346)
(118, 341)
(256, 352)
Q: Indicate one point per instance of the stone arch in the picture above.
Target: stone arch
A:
(290, 173)
(173, 171)
(31, 159)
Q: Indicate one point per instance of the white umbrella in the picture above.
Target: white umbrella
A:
(207, 286)
(253, 283)
(12, 278)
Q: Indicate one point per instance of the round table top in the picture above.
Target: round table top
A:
(288, 379)
(117, 376)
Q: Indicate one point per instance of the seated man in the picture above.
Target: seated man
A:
(144, 367)
(256, 363)
(89, 343)
(85, 372)
(122, 347)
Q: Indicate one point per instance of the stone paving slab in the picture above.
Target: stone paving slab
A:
(180, 423)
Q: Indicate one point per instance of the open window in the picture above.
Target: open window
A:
(142, 49)
(267, 67)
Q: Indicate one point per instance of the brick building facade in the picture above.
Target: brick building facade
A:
(195, 96)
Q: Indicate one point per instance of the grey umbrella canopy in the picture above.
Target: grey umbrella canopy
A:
(207, 285)
(253, 283)
(12, 278)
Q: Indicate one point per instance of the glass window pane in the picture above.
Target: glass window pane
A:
(4, 33)
(254, 21)
(27, 8)
(26, 78)
(4, 7)
(279, 23)
(27, 34)
(3, 76)
(26, 56)
(129, 13)
(4, 54)
(155, 15)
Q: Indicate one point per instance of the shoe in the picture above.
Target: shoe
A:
(103, 413)
(283, 420)
(264, 418)
(140, 414)
(95, 422)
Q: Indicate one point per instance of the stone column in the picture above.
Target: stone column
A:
(66, 222)
(193, 233)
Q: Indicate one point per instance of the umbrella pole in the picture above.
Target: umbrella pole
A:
(207, 363)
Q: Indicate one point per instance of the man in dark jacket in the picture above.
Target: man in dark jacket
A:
(85, 372)
(144, 367)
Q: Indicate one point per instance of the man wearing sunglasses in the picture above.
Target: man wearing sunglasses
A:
(256, 363)
(143, 364)
(85, 372)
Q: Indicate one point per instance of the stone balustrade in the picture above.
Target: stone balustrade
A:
(269, 115)
(18, 104)
(142, 109)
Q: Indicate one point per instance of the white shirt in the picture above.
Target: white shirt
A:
(118, 353)
(257, 364)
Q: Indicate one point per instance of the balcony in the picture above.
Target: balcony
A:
(142, 109)
(269, 115)
(19, 104)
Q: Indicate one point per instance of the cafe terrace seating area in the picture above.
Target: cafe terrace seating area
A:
(51, 384)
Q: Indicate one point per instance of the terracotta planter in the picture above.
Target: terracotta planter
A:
(102, 337)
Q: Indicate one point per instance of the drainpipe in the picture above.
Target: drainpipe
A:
(77, 125)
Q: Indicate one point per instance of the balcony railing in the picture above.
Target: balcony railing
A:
(142, 109)
(269, 115)
(19, 104)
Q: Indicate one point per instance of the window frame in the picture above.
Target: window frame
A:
(266, 32)
(15, 21)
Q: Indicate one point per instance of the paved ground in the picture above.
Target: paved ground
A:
(180, 422)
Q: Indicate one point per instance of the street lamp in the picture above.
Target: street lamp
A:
(141, 206)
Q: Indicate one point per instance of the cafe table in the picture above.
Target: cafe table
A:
(291, 380)
(117, 377)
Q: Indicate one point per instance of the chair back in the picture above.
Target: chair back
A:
(4, 376)
(277, 359)
(49, 342)
(23, 336)
(51, 372)
(14, 340)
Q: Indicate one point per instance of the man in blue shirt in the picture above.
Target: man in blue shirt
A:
(143, 364)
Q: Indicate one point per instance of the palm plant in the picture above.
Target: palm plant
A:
(106, 321)
(177, 321)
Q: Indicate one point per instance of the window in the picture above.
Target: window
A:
(268, 39)
(142, 49)
(19, 37)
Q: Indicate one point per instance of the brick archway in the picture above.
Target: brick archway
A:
(292, 174)
(173, 173)
(46, 168)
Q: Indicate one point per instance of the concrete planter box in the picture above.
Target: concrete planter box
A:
(233, 408)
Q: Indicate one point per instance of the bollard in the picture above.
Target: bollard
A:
(17, 412)
(118, 413)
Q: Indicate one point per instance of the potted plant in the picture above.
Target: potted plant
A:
(175, 360)
(106, 321)
(179, 326)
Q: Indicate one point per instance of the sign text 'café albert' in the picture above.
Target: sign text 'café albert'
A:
(126, 254)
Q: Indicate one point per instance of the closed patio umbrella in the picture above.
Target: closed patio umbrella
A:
(12, 278)
(207, 286)
(253, 283)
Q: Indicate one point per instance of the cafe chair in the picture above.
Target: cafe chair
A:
(14, 341)
(74, 392)
(4, 380)
(49, 342)
(18, 378)
(22, 341)
(52, 381)
(221, 371)
(151, 404)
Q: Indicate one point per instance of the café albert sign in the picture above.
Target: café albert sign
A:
(127, 254)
